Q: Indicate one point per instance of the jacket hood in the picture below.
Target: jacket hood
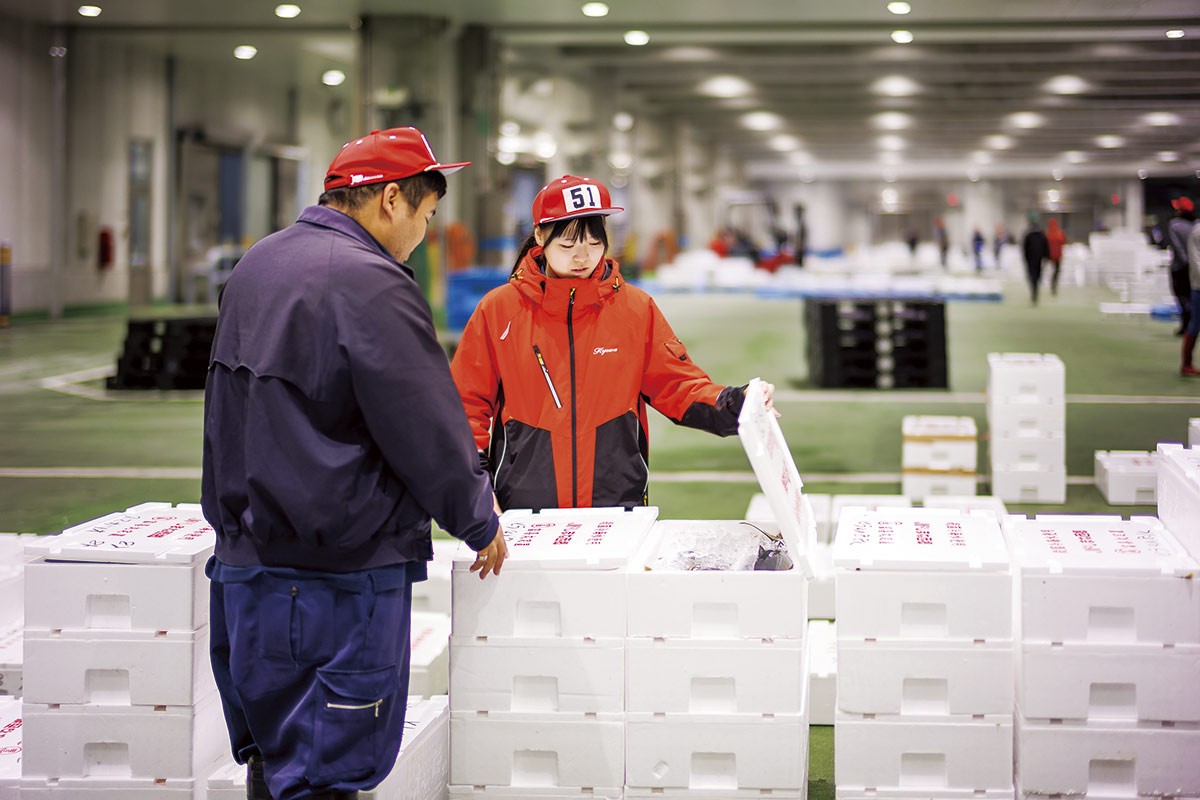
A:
(554, 294)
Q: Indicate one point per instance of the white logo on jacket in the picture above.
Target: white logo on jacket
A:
(599, 351)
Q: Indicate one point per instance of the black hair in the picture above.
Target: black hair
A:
(576, 229)
(415, 189)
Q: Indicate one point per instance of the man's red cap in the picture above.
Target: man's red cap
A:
(1183, 204)
(569, 197)
(383, 156)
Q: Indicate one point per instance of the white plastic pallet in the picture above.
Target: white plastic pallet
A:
(151, 533)
(927, 679)
(117, 668)
(967, 504)
(1023, 485)
(12, 658)
(1107, 760)
(717, 752)
(927, 753)
(1098, 579)
(922, 484)
(429, 656)
(1016, 376)
(1179, 493)
(918, 539)
(537, 676)
(536, 750)
(1008, 451)
(1120, 683)
(691, 676)
(64, 595)
(822, 671)
(1126, 477)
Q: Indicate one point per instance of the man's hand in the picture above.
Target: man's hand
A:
(491, 557)
(770, 392)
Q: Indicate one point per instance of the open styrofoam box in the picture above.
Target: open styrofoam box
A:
(822, 671)
(939, 443)
(150, 533)
(564, 576)
(1126, 477)
(1019, 376)
(1100, 579)
(1117, 682)
(117, 668)
(537, 675)
(12, 658)
(922, 574)
(760, 509)
(429, 657)
(932, 679)
(1179, 493)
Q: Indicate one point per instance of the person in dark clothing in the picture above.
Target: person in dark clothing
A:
(1178, 230)
(977, 248)
(332, 433)
(1036, 249)
(1055, 240)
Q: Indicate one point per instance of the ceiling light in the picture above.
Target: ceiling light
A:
(981, 157)
(998, 141)
(1161, 119)
(512, 144)
(623, 121)
(783, 142)
(90, 11)
(900, 9)
(895, 86)
(1167, 155)
(891, 142)
(800, 158)
(505, 157)
(889, 177)
(620, 160)
(1026, 119)
(1175, 33)
(595, 9)
(892, 121)
(637, 38)
(1066, 84)
(333, 77)
(902, 37)
(1053, 195)
(1143, 174)
(1075, 156)
(510, 128)
(725, 86)
(761, 121)
(287, 10)
(973, 175)
(689, 53)
(1057, 174)
(889, 195)
(1109, 142)
(245, 52)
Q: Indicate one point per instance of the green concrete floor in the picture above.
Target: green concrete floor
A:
(66, 458)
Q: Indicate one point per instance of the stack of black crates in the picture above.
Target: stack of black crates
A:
(891, 343)
(165, 354)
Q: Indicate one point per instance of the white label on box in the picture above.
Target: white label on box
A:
(919, 538)
(568, 538)
(1057, 544)
(152, 533)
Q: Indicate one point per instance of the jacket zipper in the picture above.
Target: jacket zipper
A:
(363, 707)
(574, 448)
(545, 372)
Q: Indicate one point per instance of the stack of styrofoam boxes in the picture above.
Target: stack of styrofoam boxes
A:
(1026, 408)
(1126, 477)
(422, 769)
(983, 503)
(433, 593)
(716, 670)
(938, 456)
(12, 614)
(10, 748)
(537, 657)
(1194, 432)
(119, 697)
(925, 656)
(429, 654)
(820, 587)
(822, 671)
(1108, 699)
(1179, 493)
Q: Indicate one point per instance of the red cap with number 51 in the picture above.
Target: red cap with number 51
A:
(569, 197)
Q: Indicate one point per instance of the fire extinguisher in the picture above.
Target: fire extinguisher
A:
(104, 249)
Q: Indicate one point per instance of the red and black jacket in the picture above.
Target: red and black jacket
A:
(555, 375)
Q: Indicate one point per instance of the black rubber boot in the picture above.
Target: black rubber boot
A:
(256, 782)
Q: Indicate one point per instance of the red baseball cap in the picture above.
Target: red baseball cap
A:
(383, 156)
(1183, 204)
(569, 197)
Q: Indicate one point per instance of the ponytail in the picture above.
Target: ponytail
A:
(529, 244)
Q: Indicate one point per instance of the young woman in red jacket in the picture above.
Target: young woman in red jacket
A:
(557, 366)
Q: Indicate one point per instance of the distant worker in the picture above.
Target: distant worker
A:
(1189, 338)
(1178, 231)
(977, 249)
(1035, 248)
(1055, 239)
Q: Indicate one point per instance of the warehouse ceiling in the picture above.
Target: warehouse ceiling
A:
(1074, 86)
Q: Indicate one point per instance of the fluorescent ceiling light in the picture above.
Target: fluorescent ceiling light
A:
(545, 148)
(637, 38)
(1053, 195)
(1167, 155)
(620, 160)
(725, 86)
(998, 141)
(1026, 119)
(623, 121)
(902, 37)
(287, 10)
(333, 77)
(1174, 33)
(892, 121)
(90, 11)
(889, 196)
(973, 175)
(688, 53)
(783, 142)
(245, 52)
(898, 8)
(510, 128)
(761, 121)
(1161, 119)
(1075, 156)
(1066, 84)
(891, 142)
(595, 9)
(505, 157)
(895, 86)
(1057, 174)
(1109, 142)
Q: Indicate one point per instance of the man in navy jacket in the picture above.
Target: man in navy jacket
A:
(332, 434)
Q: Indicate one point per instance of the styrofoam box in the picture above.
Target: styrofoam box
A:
(760, 509)
(1194, 432)
(939, 443)
(12, 592)
(532, 793)
(699, 751)
(1016, 420)
(550, 590)
(433, 594)
(1098, 580)
(11, 659)
(930, 753)
(103, 788)
(1179, 493)
(429, 657)
(1027, 451)
(123, 742)
(921, 484)
(536, 750)
(822, 599)
(117, 668)
(714, 794)
(1123, 682)
(63, 595)
(150, 533)
(1041, 485)
(1026, 375)
(929, 679)
(12, 547)
(713, 604)
(970, 503)
(715, 677)
(1126, 477)
(537, 676)
(1107, 759)
(10, 747)
(919, 793)
(822, 671)
(841, 502)
(922, 574)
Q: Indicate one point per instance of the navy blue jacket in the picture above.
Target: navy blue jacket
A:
(332, 428)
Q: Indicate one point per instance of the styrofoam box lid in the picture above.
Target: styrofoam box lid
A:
(1123, 460)
(1061, 543)
(939, 427)
(146, 533)
(1023, 361)
(10, 738)
(429, 636)
(569, 538)
(919, 538)
(1185, 459)
(776, 472)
